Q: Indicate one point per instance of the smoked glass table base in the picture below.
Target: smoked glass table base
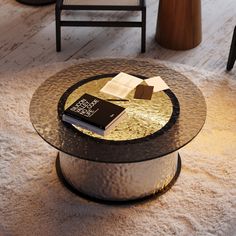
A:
(118, 182)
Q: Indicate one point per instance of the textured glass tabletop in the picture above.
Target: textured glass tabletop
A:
(153, 128)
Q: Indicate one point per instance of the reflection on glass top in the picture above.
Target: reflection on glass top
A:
(143, 117)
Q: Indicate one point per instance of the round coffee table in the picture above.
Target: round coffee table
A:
(139, 158)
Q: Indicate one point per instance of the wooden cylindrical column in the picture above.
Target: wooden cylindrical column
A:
(179, 24)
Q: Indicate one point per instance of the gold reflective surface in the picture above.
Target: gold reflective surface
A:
(143, 117)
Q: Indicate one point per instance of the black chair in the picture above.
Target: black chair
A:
(232, 52)
(101, 5)
(36, 2)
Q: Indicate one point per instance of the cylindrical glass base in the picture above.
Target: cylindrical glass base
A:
(119, 181)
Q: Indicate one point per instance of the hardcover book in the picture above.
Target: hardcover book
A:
(94, 114)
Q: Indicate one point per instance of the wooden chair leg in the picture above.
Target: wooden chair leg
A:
(232, 52)
(143, 37)
(58, 37)
(58, 25)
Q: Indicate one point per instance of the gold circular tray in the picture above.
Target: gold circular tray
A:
(143, 117)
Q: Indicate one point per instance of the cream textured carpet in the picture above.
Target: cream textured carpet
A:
(34, 202)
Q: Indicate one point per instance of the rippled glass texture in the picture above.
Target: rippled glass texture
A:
(45, 119)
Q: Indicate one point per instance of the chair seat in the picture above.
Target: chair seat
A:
(102, 2)
(101, 5)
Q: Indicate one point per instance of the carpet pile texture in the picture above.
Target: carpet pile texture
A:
(34, 202)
